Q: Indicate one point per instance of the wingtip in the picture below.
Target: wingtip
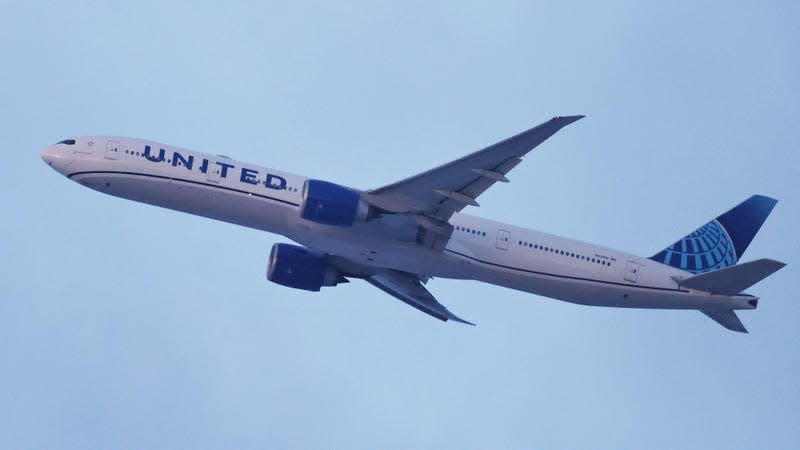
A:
(455, 318)
(566, 120)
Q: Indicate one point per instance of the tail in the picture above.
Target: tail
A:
(731, 281)
(712, 251)
(721, 242)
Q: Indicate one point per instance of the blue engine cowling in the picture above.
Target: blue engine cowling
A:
(301, 268)
(332, 204)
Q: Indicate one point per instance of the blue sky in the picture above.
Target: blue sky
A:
(125, 325)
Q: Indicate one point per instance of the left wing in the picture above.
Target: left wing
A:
(409, 289)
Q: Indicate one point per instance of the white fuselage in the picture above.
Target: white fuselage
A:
(245, 194)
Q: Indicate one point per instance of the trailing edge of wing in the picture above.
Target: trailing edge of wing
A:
(449, 188)
(409, 289)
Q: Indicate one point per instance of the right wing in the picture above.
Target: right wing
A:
(449, 188)
(409, 289)
(437, 194)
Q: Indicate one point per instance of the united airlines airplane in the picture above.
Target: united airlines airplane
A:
(397, 237)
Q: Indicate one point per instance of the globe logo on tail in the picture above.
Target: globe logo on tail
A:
(707, 248)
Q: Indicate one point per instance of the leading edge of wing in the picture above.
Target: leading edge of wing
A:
(419, 192)
(409, 289)
(527, 139)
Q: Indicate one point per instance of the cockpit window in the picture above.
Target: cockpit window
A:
(66, 142)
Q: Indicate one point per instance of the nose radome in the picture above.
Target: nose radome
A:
(47, 155)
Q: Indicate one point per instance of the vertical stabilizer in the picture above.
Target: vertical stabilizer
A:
(721, 242)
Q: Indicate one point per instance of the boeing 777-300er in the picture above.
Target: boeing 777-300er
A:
(398, 236)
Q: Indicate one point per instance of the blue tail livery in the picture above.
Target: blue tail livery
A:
(721, 242)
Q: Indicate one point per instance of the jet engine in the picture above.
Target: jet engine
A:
(331, 204)
(301, 268)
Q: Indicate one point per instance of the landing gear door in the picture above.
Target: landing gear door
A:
(503, 237)
(632, 271)
(112, 150)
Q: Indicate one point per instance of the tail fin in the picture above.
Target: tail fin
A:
(721, 242)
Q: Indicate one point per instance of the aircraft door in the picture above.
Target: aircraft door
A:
(503, 237)
(213, 172)
(112, 150)
(632, 271)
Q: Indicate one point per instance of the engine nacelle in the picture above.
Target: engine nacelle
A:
(301, 268)
(332, 204)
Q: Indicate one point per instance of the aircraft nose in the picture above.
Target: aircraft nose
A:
(48, 155)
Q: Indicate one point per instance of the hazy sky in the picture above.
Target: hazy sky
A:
(125, 325)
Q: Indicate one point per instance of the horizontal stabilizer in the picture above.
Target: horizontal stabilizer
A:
(734, 279)
(727, 318)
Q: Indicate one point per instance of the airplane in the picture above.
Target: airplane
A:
(399, 236)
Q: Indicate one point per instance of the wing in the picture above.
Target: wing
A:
(409, 289)
(440, 192)
(434, 196)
